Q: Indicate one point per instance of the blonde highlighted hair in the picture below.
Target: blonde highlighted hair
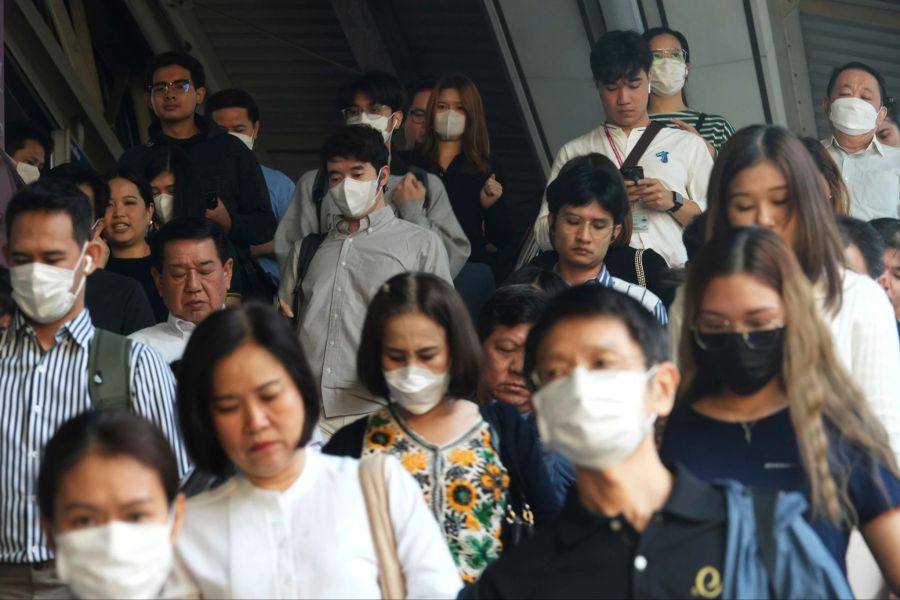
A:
(820, 392)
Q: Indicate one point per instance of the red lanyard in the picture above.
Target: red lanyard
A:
(613, 145)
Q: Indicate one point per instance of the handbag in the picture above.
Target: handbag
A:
(375, 495)
(518, 524)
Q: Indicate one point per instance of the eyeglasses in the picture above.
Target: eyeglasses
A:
(599, 228)
(765, 337)
(676, 53)
(179, 86)
(417, 115)
(374, 110)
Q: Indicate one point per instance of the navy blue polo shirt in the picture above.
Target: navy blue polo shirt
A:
(765, 454)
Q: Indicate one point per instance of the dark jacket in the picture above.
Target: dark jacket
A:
(117, 303)
(223, 167)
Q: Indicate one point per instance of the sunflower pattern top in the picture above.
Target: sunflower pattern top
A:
(464, 484)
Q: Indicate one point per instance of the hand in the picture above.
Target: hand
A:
(410, 188)
(685, 126)
(96, 237)
(654, 194)
(285, 309)
(220, 215)
(491, 191)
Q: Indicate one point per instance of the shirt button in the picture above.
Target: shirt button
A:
(343, 263)
(33, 455)
(331, 343)
(328, 370)
(37, 408)
(640, 563)
(40, 369)
(615, 525)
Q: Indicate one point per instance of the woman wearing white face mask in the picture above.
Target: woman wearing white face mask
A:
(108, 495)
(176, 191)
(668, 101)
(475, 467)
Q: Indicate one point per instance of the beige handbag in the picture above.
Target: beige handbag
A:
(375, 494)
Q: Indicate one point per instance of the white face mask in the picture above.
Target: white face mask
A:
(353, 197)
(28, 173)
(667, 76)
(382, 124)
(416, 389)
(116, 560)
(449, 125)
(247, 139)
(44, 292)
(596, 419)
(853, 116)
(165, 206)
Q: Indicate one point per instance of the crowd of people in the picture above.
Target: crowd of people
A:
(682, 381)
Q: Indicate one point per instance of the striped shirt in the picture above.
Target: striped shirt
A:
(39, 391)
(648, 299)
(715, 129)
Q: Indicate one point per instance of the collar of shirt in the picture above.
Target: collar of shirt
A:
(617, 131)
(691, 499)
(603, 277)
(180, 326)
(875, 147)
(370, 223)
(312, 464)
(79, 329)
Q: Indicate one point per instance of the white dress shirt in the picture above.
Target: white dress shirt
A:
(312, 540)
(873, 178)
(169, 338)
(864, 333)
(677, 158)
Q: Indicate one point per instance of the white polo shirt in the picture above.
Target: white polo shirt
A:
(677, 158)
(169, 338)
(873, 178)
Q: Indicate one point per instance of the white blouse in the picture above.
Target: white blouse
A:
(312, 540)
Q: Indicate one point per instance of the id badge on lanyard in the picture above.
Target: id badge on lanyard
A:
(640, 216)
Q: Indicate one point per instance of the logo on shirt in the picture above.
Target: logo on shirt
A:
(663, 156)
(707, 583)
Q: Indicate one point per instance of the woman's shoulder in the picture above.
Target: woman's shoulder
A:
(211, 501)
(348, 440)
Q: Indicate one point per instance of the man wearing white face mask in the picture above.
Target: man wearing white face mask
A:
(854, 103)
(631, 527)
(366, 245)
(29, 147)
(236, 112)
(44, 363)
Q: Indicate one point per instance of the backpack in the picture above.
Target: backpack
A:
(109, 371)
(772, 552)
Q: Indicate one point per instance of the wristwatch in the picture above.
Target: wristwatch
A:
(678, 199)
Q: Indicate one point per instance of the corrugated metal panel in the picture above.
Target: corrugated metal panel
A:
(831, 42)
(256, 45)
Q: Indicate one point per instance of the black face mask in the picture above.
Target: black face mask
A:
(743, 362)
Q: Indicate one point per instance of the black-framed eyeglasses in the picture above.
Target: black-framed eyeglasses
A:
(417, 115)
(179, 86)
(373, 110)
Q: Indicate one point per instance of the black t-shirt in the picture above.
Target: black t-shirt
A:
(139, 270)
(680, 554)
(117, 303)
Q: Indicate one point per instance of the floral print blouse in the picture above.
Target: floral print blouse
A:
(463, 482)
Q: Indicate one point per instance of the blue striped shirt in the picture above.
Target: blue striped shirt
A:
(39, 391)
(648, 299)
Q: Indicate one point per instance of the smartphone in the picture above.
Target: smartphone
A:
(632, 173)
(212, 200)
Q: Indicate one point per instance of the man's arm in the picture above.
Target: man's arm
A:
(299, 218)
(434, 259)
(254, 222)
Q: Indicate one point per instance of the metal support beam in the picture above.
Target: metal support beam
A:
(183, 18)
(363, 35)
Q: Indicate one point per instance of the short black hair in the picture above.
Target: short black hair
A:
(620, 55)
(111, 432)
(134, 177)
(682, 41)
(587, 179)
(19, 132)
(888, 230)
(381, 87)
(52, 196)
(509, 306)
(860, 66)
(591, 301)
(233, 98)
(78, 175)
(215, 339)
(361, 142)
(893, 112)
(549, 282)
(425, 84)
(182, 59)
(867, 241)
(188, 228)
(436, 299)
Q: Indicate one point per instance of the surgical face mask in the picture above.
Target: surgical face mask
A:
(165, 206)
(416, 389)
(380, 123)
(247, 139)
(853, 116)
(44, 292)
(28, 173)
(743, 362)
(667, 76)
(354, 198)
(449, 125)
(116, 560)
(596, 419)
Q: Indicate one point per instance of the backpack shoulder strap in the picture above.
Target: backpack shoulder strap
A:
(308, 248)
(320, 188)
(109, 370)
(765, 502)
(422, 175)
(639, 267)
(638, 151)
(700, 121)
